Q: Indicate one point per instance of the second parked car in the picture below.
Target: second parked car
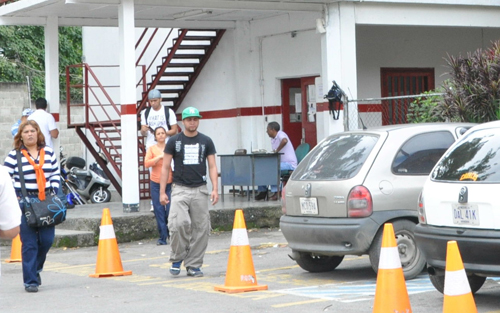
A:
(460, 202)
(351, 183)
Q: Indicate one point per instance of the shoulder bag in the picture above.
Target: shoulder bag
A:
(49, 212)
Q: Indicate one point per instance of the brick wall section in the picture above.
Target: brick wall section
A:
(13, 100)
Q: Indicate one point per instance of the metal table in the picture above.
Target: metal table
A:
(256, 169)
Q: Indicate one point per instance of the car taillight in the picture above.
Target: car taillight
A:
(359, 202)
(283, 200)
(421, 210)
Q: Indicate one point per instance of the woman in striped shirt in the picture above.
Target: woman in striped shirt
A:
(41, 172)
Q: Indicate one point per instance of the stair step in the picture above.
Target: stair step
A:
(73, 238)
(193, 47)
(185, 56)
(171, 83)
(198, 38)
(188, 65)
(176, 74)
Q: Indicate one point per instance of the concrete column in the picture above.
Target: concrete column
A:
(51, 32)
(338, 47)
(130, 163)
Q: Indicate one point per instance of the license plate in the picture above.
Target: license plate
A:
(308, 205)
(465, 214)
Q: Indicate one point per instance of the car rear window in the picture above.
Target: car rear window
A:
(475, 158)
(336, 158)
(421, 152)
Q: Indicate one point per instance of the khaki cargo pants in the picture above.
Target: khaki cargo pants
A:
(189, 224)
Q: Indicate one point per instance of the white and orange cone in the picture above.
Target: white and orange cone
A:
(240, 274)
(15, 250)
(390, 294)
(109, 262)
(457, 294)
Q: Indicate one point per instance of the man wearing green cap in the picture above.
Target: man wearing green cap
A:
(189, 220)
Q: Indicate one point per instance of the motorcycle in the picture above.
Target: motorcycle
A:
(80, 184)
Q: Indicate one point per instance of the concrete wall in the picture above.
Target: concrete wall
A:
(13, 100)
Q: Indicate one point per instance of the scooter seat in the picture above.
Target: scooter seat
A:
(75, 162)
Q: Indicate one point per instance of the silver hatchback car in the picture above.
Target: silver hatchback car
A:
(351, 183)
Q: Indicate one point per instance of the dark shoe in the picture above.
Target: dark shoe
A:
(261, 196)
(273, 196)
(194, 272)
(175, 269)
(31, 288)
(161, 242)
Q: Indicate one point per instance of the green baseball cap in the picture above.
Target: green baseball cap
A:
(190, 112)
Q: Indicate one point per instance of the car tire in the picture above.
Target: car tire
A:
(318, 263)
(412, 259)
(475, 282)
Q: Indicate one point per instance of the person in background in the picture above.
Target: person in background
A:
(41, 172)
(154, 160)
(10, 213)
(189, 221)
(24, 118)
(45, 121)
(280, 143)
(155, 116)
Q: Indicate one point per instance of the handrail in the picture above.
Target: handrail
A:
(164, 65)
(156, 55)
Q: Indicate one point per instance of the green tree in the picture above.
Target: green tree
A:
(22, 54)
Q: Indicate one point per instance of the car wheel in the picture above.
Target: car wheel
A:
(100, 195)
(318, 263)
(412, 260)
(475, 282)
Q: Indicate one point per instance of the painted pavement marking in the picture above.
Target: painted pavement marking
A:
(355, 291)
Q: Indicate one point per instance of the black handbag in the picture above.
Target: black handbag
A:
(49, 212)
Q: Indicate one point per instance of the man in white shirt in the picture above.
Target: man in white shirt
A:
(45, 120)
(156, 116)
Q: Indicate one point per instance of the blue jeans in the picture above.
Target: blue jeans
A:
(36, 242)
(161, 211)
(274, 188)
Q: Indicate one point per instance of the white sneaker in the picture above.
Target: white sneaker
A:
(152, 209)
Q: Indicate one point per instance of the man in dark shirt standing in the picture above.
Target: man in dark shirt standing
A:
(189, 220)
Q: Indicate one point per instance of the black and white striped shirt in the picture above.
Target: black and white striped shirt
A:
(50, 169)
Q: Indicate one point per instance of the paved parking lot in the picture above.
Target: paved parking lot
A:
(67, 287)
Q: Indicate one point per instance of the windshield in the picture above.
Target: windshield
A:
(336, 158)
(475, 158)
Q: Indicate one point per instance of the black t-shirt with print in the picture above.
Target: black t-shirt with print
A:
(190, 158)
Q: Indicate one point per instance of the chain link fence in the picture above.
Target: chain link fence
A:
(373, 112)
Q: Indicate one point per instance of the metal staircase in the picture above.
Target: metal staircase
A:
(97, 120)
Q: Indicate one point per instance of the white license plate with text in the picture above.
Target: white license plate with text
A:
(309, 205)
(467, 214)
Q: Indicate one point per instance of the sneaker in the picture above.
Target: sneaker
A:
(31, 288)
(194, 271)
(175, 269)
(152, 209)
(161, 242)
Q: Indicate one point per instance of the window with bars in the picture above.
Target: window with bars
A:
(399, 82)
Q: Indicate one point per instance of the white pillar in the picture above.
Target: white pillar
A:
(130, 163)
(338, 47)
(51, 33)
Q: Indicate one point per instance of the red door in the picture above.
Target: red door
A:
(297, 94)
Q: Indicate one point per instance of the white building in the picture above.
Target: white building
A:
(272, 50)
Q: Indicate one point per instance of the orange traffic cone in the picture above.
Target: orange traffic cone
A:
(457, 294)
(109, 262)
(15, 250)
(240, 274)
(390, 294)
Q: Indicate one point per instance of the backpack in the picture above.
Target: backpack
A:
(167, 115)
